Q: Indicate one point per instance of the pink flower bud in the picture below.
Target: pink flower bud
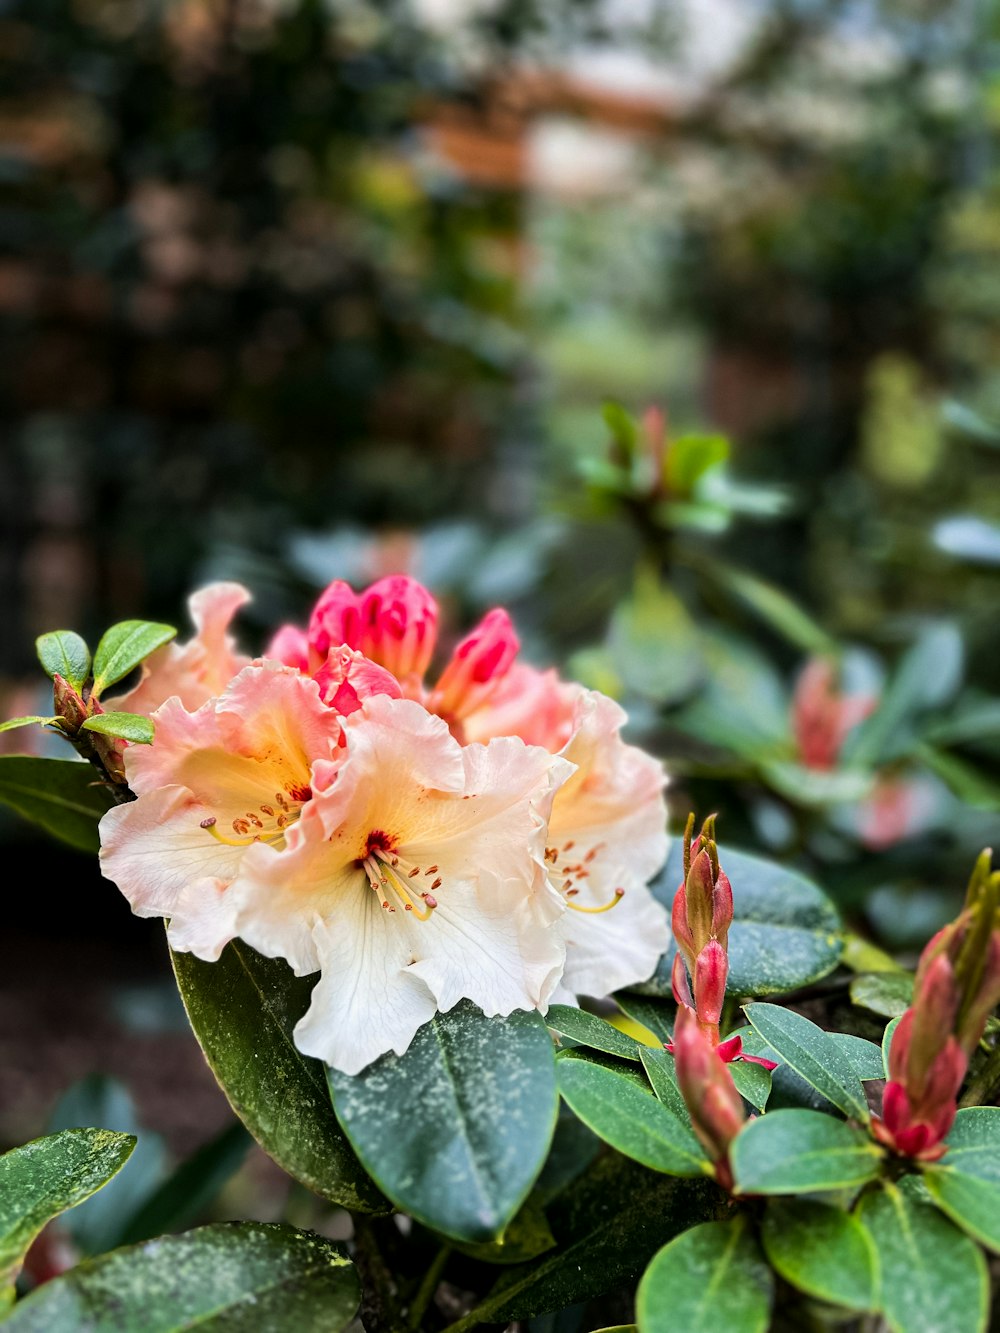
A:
(710, 972)
(335, 621)
(722, 908)
(398, 625)
(681, 930)
(680, 983)
(347, 678)
(477, 665)
(715, 1107)
(68, 705)
(699, 894)
(822, 715)
(290, 645)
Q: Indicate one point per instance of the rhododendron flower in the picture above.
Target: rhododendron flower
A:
(426, 885)
(607, 838)
(196, 671)
(238, 772)
(822, 715)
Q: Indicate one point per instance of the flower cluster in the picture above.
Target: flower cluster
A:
(414, 842)
(957, 987)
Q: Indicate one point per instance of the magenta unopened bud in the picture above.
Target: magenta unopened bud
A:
(399, 625)
(681, 983)
(477, 665)
(680, 928)
(335, 621)
(710, 972)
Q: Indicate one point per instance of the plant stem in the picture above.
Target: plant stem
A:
(984, 1088)
(379, 1311)
(427, 1288)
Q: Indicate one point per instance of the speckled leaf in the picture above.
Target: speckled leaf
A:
(785, 931)
(44, 1178)
(456, 1130)
(864, 1056)
(528, 1235)
(813, 1054)
(233, 1277)
(608, 1224)
(64, 653)
(966, 1182)
(637, 1124)
(887, 993)
(589, 1030)
(662, 1074)
(822, 1250)
(243, 1009)
(654, 1013)
(64, 796)
(753, 1082)
(932, 1278)
(711, 1277)
(124, 646)
(801, 1152)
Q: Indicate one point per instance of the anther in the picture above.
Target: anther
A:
(431, 870)
(414, 871)
(254, 819)
(436, 884)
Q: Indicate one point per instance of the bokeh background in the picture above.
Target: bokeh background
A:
(674, 327)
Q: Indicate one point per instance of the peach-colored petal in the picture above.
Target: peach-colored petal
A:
(194, 671)
(535, 705)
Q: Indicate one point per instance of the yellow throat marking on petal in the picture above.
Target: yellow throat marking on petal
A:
(267, 823)
(573, 873)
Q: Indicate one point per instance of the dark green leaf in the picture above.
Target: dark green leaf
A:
(785, 931)
(655, 1015)
(44, 1178)
(456, 1130)
(243, 1010)
(181, 1199)
(813, 1054)
(662, 1074)
(887, 993)
(124, 646)
(864, 1056)
(527, 1236)
(966, 1182)
(932, 1278)
(65, 796)
(816, 787)
(589, 1030)
(801, 1152)
(64, 653)
(233, 1277)
(127, 726)
(774, 607)
(638, 1125)
(607, 1226)
(822, 1250)
(753, 1082)
(709, 1278)
(973, 783)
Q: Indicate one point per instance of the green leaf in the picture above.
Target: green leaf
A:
(932, 1278)
(887, 993)
(527, 1236)
(64, 796)
(180, 1200)
(817, 788)
(456, 1130)
(801, 1152)
(638, 1125)
(221, 1278)
(655, 1015)
(608, 1224)
(44, 1178)
(689, 457)
(965, 1184)
(864, 1056)
(64, 653)
(123, 647)
(774, 607)
(822, 1250)
(662, 1074)
(243, 1010)
(813, 1054)
(589, 1030)
(13, 723)
(128, 726)
(711, 1277)
(785, 931)
(974, 784)
(753, 1082)
(887, 1036)
(654, 642)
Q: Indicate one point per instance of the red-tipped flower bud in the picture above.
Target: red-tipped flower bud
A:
(709, 1093)
(477, 666)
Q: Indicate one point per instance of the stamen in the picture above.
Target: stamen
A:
(384, 873)
(619, 894)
